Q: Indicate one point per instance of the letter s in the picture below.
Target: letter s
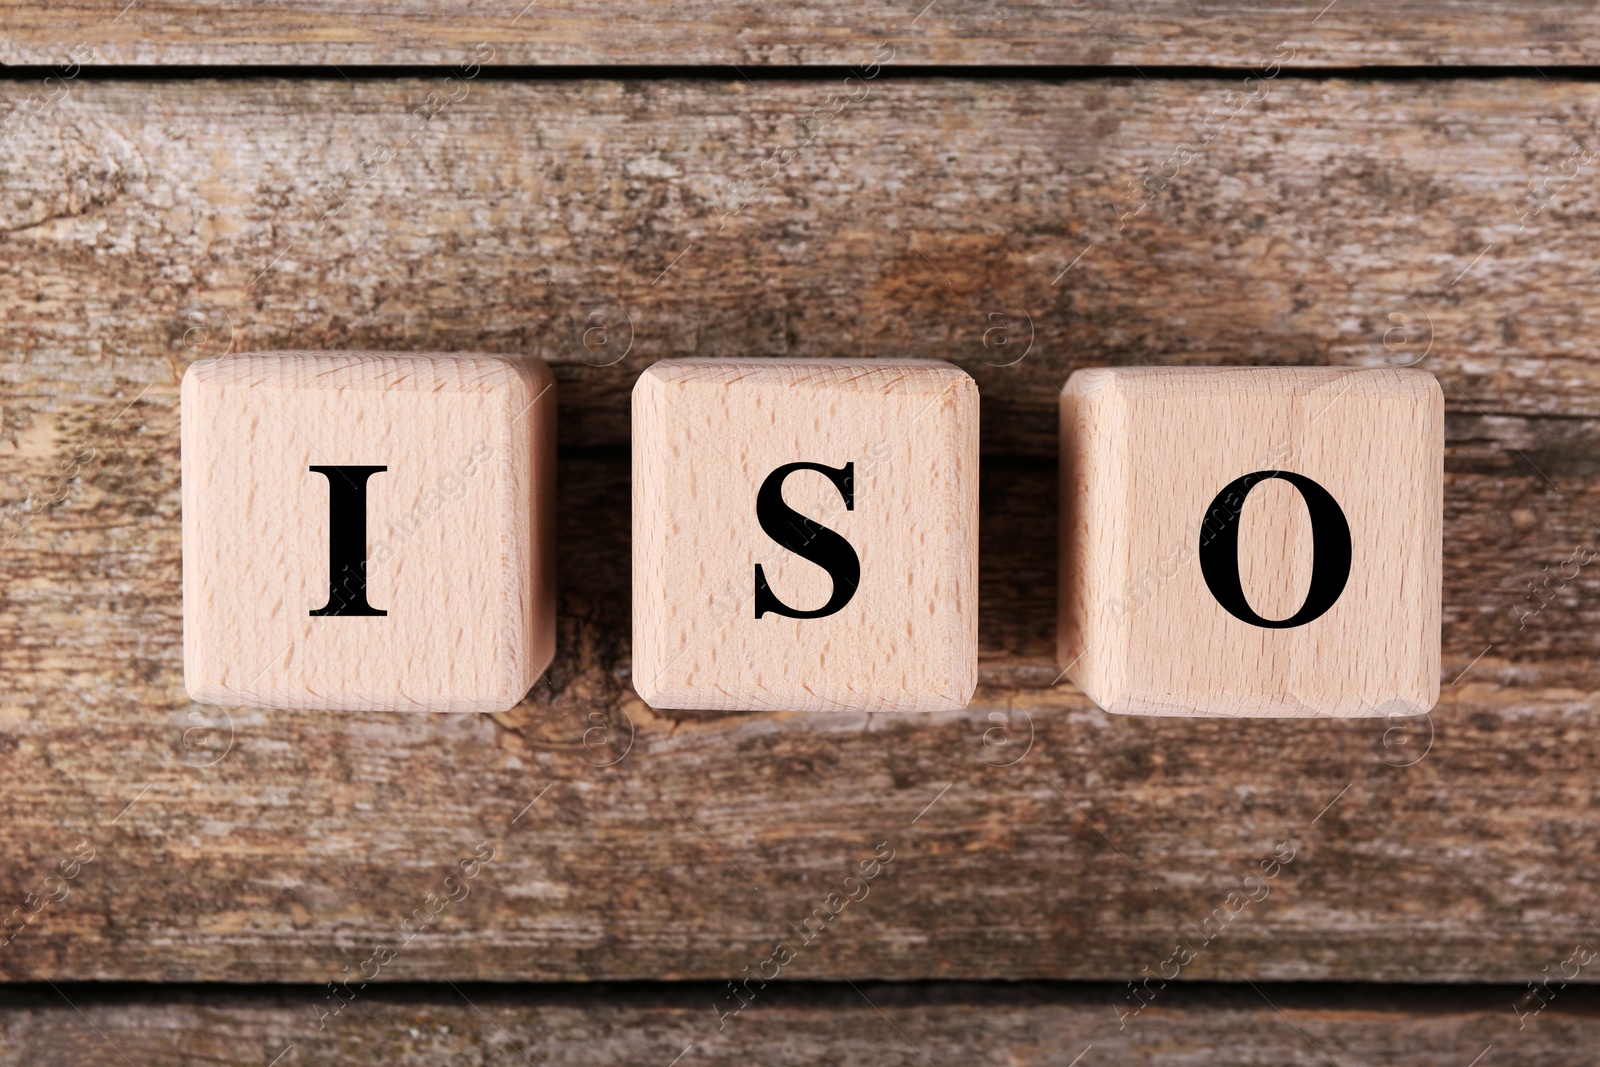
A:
(808, 540)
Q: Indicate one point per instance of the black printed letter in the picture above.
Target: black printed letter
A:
(808, 539)
(1330, 548)
(347, 541)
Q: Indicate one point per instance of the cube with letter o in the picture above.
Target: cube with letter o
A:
(805, 535)
(1252, 541)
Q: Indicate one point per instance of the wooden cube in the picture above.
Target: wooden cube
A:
(1252, 541)
(367, 531)
(805, 535)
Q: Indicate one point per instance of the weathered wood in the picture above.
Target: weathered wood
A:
(137, 220)
(289, 857)
(145, 224)
(746, 34)
(871, 1023)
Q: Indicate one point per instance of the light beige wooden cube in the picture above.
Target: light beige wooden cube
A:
(1205, 518)
(426, 585)
(850, 583)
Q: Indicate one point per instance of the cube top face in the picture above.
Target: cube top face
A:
(1252, 541)
(455, 612)
(853, 486)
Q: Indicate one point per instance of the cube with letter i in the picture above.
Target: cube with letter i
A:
(367, 531)
(805, 535)
(1252, 541)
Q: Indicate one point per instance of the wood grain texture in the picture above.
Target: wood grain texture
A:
(139, 220)
(448, 603)
(148, 224)
(1146, 33)
(684, 844)
(1149, 456)
(901, 589)
(871, 1024)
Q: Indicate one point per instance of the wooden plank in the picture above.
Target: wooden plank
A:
(1149, 33)
(871, 1023)
(713, 836)
(282, 846)
(1343, 223)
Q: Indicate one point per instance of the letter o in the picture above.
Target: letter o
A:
(1330, 560)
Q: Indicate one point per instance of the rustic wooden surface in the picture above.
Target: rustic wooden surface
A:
(288, 856)
(869, 1023)
(147, 224)
(1146, 33)
(1351, 223)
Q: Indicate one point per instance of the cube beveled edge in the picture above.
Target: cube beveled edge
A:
(1088, 382)
(1153, 382)
(791, 371)
(520, 680)
(1088, 657)
(310, 368)
(1420, 702)
(1415, 696)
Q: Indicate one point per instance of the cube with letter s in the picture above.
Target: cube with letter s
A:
(805, 534)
